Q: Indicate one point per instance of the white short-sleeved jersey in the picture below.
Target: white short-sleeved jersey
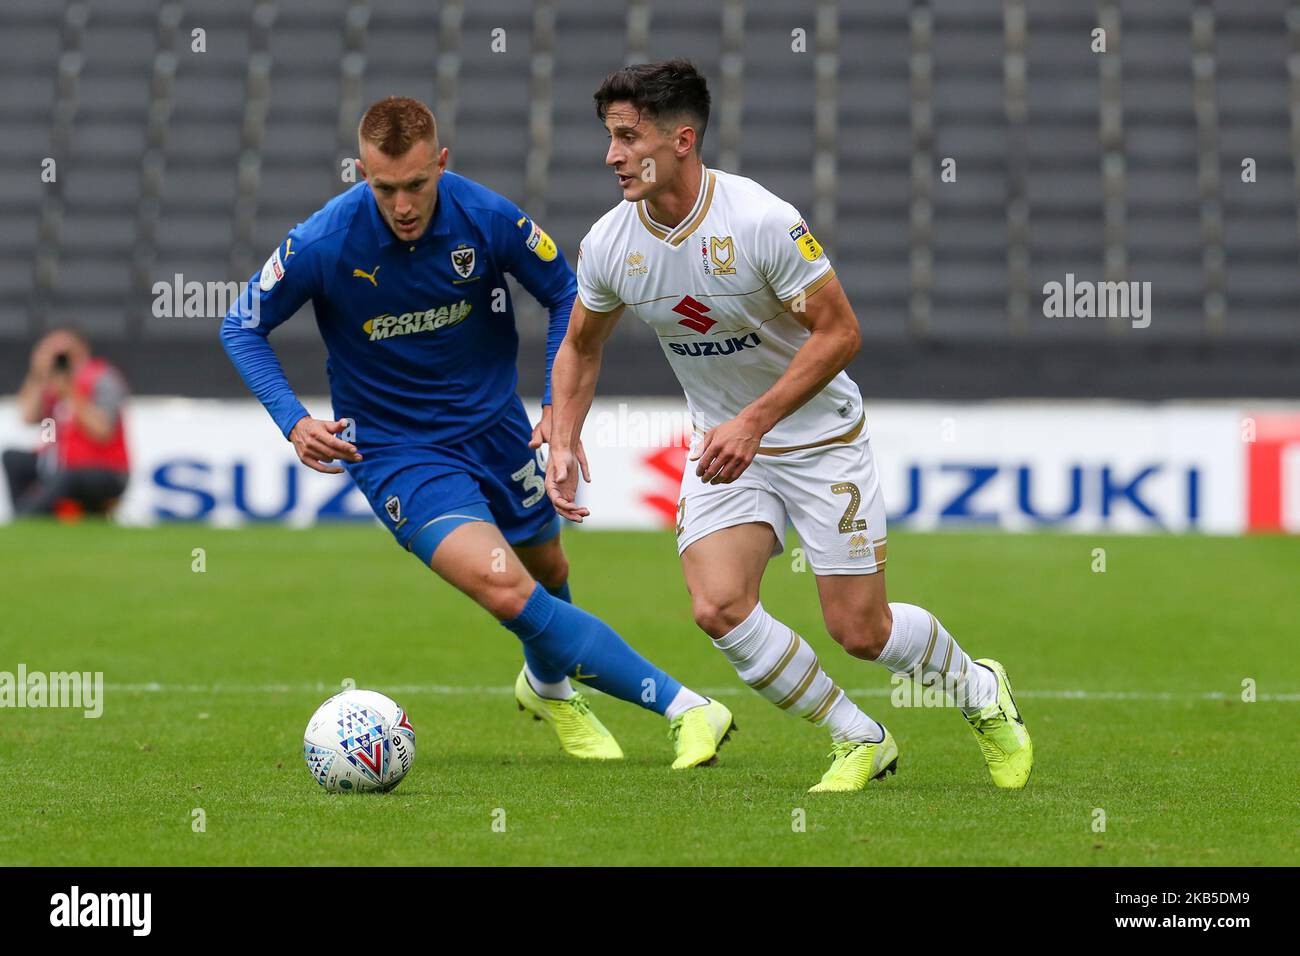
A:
(718, 289)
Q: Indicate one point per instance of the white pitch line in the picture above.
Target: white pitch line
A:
(476, 690)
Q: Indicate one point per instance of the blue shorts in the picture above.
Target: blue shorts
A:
(426, 491)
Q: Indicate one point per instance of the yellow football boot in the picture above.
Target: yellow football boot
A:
(858, 761)
(1001, 734)
(698, 733)
(581, 733)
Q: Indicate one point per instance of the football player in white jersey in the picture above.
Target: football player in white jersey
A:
(757, 328)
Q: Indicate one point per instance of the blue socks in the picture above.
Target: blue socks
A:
(586, 648)
(541, 668)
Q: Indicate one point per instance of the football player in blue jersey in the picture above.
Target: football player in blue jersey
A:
(406, 274)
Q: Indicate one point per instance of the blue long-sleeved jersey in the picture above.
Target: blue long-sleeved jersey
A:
(421, 335)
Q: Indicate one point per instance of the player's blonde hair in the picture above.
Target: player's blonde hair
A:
(396, 123)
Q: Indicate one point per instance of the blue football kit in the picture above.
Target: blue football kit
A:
(422, 346)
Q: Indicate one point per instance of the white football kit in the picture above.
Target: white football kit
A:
(718, 290)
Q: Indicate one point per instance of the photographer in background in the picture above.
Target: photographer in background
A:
(83, 458)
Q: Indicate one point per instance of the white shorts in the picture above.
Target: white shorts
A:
(830, 493)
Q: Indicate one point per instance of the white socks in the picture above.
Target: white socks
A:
(685, 699)
(921, 647)
(781, 666)
(560, 691)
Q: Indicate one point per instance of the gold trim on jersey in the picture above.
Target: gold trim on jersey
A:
(682, 233)
(742, 328)
(705, 295)
(847, 437)
(679, 233)
(656, 231)
(810, 288)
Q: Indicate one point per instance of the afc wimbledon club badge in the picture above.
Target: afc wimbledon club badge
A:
(393, 507)
(462, 260)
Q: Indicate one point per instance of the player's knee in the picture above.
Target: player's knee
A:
(503, 595)
(718, 617)
(863, 636)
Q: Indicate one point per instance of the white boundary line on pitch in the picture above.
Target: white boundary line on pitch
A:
(453, 689)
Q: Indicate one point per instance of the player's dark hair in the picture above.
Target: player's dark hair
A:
(660, 91)
(396, 123)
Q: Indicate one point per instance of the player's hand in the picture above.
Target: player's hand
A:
(542, 436)
(726, 450)
(315, 444)
(562, 468)
(542, 430)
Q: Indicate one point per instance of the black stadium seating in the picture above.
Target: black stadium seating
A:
(1125, 165)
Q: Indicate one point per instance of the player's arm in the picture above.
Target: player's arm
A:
(727, 450)
(272, 297)
(533, 258)
(574, 376)
(799, 274)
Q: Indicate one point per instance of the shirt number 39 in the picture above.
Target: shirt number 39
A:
(531, 482)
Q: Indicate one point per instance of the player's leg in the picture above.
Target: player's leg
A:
(475, 558)
(509, 475)
(900, 637)
(910, 640)
(426, 496)
(691, 728)
(725, 535)
(549, 566)
(834, 499)
(723, 570)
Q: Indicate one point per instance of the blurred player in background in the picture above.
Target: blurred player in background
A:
(83, 464)
(758, 330)
(406, 272)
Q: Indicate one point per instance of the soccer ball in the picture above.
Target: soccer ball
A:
(359, 741)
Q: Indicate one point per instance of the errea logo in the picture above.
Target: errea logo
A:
(387, 326)
(859, 547)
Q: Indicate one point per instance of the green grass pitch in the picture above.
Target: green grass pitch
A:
(210, 678)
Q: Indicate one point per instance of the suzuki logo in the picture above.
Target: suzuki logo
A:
(696, 319)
